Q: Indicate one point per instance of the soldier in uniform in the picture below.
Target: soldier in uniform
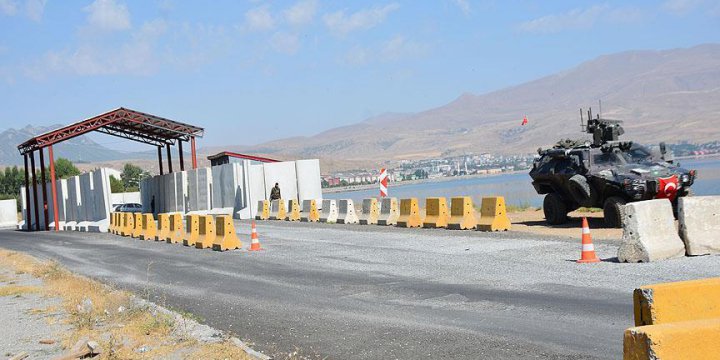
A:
(275, 192)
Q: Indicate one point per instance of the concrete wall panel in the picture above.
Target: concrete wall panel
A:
(309, 183)
(284, 174)
(8, 213)
(126, 198)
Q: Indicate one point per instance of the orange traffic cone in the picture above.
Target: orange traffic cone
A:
(254, 242)
(588, 249)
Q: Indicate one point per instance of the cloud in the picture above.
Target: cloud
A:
(259, 19)
(8, 7)
(396, 49)
(464, 6)
(573, 19)
(341, 23)
(285, 43)
(680, 7)
(35, 9)
(301, 13)
(108, 15)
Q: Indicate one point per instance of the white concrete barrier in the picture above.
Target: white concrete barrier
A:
(285, 175)
(389, 211)
(699, 218)
(329, 212)
(346, 212)
(649, 232)
(309, 182)
(125, 198)
(8, 213)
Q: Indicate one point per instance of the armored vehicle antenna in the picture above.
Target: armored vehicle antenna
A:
(602, 130)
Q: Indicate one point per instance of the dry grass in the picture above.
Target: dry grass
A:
(110, 316)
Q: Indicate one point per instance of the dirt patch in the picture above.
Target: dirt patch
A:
(533, 221)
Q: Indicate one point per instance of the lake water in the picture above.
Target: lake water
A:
(517, 188)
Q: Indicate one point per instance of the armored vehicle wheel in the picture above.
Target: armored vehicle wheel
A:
(581, 191)
(555, 209)
(612, 210)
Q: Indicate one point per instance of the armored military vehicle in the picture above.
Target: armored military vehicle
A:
(605, 173)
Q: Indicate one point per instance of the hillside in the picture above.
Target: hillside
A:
(665, 95)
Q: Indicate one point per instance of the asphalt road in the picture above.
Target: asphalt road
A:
(353, 292)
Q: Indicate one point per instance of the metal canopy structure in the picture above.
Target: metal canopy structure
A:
(121, 122)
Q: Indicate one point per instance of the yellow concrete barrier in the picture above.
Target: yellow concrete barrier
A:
(293, 213)
(370, 212)
(149, 228)
(677, 301)
(389, 212)
(493, 216)
(206, 232)
(117, 226)
(436, 213)
(137, 223)
(192, 230)
(163, 227)
(697, 339)
(462, 214)
(310, 211)
(177, 233)
(128, 224)
(111, 228)
(226, 237)
(410, 214)
(263, 211)
(277, 210)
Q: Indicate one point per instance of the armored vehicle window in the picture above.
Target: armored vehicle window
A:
(637, 154)
(610, 158)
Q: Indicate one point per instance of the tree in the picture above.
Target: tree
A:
(116, 186)
(65, 169)
(131, 176)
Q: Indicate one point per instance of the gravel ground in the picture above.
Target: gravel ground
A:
(353, 292)
(25, 320)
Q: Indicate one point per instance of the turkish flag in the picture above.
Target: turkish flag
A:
(667, 188)
(524, 122)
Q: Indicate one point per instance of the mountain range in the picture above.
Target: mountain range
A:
(662, 95)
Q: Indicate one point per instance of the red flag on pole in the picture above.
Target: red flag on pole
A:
(524, 122)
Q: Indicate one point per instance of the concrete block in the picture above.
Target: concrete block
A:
(86, 209)
(309, 182)
(697, 339)
(293, 213)
(389, 211)
(493, 216)
(125, 198)
(436, 213)
(649, 232)
(370, 212)
(278, 210)
(677, 301)
(462, 213)
(199, 189)
(310, 212)
(410, 215)
(346, 212)
(256, 185)
(74, 203)
(699, 218)
(284, 174)
(329, 212)
(8, 213)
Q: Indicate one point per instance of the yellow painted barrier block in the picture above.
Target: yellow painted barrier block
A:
(226, 237)
(177, 232)
(206, 232)
(111, 228)
(278, 210)
(697, 339)
(149, 228)
(163, 227)
(128, 224)
(462, 214)
(436, 213)
(389, 212)
(137, 223)
(310, 211)
(410, 213)
(117, 226)
(263, 211)
(370, 212)
(677, 301)
(493, 216)
(192, 230)
(293, 211)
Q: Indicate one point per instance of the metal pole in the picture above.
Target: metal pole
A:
(28, 216)
(182, 157)
(169, 155)
(34, 193)
(160, 159)
(43, 184)
(54, 188)
(193, 153)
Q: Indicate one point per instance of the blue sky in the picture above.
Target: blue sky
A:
(254, 71)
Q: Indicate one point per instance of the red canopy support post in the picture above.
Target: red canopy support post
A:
(193, 153)
(160, 159)
(28, 216)
(34, 193)
(43, 189)
(54, 188)
(182, 156)
(169, 156)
